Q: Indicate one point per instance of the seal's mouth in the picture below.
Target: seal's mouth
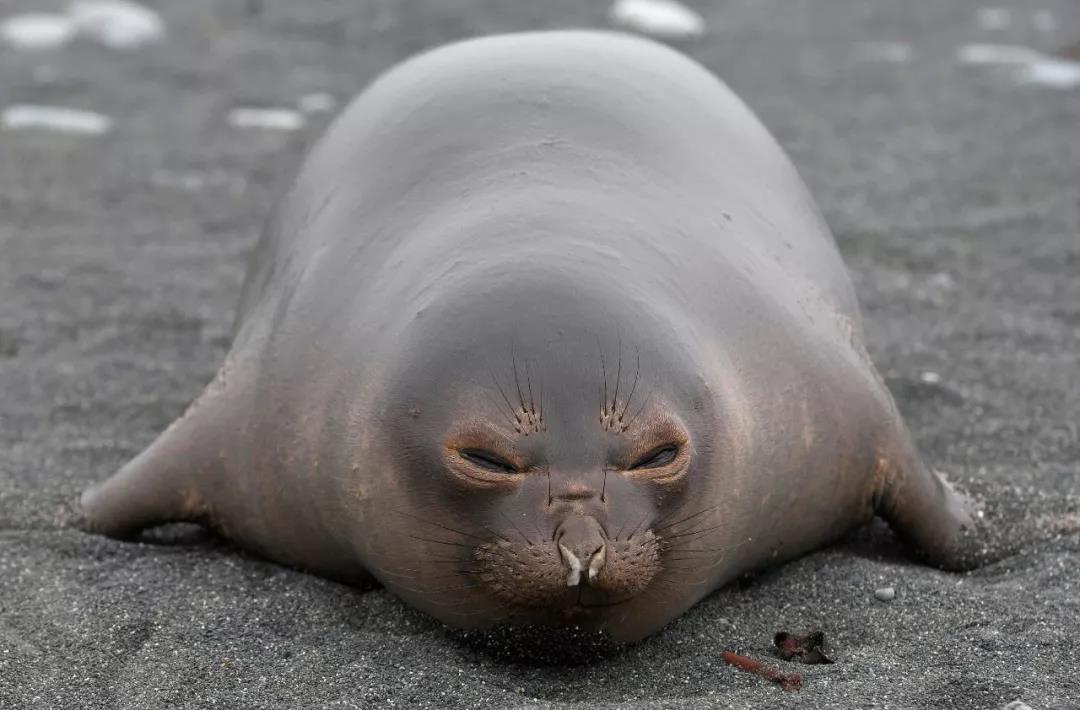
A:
(588, 601)
(584, 572)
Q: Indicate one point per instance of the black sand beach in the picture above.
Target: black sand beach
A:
(953, 189)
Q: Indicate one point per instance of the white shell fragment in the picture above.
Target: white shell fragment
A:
(1029, 66)
(276, 119)
(116, 23)
(113, 23)
(662, 18)
(54, 118)
(1052, 72)
(885, 594)
(39, 31)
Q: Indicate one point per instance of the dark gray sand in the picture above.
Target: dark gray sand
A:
(953, 191)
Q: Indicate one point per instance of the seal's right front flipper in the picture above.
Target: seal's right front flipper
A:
(939, 522)
(163, 483)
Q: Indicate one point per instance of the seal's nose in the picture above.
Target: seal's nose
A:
(583, 547)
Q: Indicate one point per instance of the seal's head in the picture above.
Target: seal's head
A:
(548, 449)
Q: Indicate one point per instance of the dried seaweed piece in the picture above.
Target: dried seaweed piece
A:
(787, 681)
(804, 649)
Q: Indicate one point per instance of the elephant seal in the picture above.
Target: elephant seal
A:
(547, 331)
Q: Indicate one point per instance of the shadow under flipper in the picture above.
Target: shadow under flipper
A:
(180, 535)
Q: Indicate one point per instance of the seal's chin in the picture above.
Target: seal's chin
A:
(588, 601)
(591, 610)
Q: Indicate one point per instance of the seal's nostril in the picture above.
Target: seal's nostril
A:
(582, 546)
(573, 578)
(596, 563)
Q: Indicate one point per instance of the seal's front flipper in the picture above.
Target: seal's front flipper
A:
(922, 508)
(161, 484)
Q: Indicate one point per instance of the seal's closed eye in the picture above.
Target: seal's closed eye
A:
(487, 460)
(655, 458)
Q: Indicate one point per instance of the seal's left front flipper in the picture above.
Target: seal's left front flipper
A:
(166, 482)
(939, 522)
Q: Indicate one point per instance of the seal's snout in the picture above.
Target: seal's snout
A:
(583, 548)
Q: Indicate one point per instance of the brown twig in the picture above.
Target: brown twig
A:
(787, 681)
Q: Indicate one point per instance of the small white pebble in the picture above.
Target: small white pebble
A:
(894, 52)
(663, 18)
(37, 31)
(116, 23)
(994, 18)
(1052, 72)
(54, 118)
(318, 102)
(277, 119)
(1031, 67)
(885, 594)
(1017, 705)
(930, 378)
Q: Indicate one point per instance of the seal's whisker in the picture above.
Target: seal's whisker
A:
(413, 572)
(440, 590)
(514, 418)
(517, 380)
(692, 533)
(444, 561)
(721, 548)
(657, 528)
(540, 386)
(637, 527)
(514, 525)
(440, 542)
(699, 567)
(633, 387)
(528, 381)
(496, 534)
(644, 406)
(439, 525)
(618, 374)
(603, 373)
(621, 528)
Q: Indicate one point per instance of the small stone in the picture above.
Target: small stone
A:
(117, 24)
(660, 18)
(275, 119)
(1017, 705)
(54, 118)
(885, 594)
(37, 31)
